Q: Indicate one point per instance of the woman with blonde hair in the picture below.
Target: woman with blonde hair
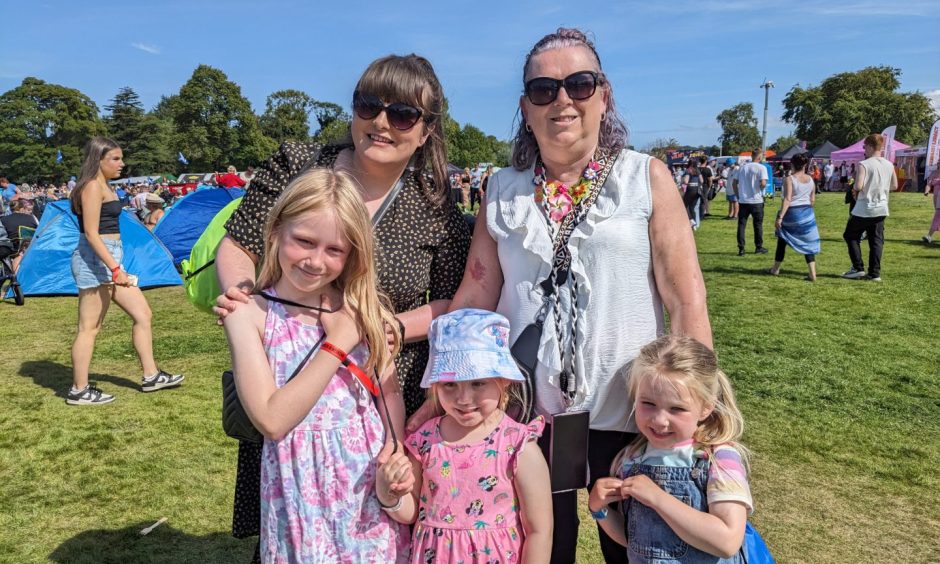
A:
(100, 276)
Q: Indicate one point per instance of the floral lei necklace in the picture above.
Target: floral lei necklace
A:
(558, 198)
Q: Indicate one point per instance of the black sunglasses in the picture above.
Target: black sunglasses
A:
(579, 86)
(400, 116)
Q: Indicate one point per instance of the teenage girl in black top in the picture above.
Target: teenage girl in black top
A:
(96, 266)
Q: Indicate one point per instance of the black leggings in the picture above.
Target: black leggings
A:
(782, 250)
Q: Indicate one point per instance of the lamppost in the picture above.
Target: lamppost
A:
(767, 85)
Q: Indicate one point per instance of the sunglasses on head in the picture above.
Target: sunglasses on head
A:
(579, 86)
(400, 116)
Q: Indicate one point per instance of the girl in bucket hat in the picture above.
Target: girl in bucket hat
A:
(479, 493)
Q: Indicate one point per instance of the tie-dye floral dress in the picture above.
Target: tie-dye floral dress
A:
(318, 501)
(468, 510)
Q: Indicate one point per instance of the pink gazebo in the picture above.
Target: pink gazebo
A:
(855, 152)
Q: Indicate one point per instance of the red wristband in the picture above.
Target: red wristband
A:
(351, 366)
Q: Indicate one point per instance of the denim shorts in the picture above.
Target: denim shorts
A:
(88, 269)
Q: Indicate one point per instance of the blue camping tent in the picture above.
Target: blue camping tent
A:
(46, 269)
(188, 218)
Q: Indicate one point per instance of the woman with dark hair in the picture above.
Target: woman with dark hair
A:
(692, 184)
(796, 221)
(100, 277)
(396, 153)
(625, 256)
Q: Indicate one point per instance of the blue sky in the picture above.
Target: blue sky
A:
(674, 65)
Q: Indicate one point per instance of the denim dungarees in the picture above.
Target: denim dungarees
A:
(649, 538)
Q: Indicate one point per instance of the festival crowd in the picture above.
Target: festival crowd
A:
(412, 392)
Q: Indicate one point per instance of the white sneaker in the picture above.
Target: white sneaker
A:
(91, 395)
(926, 239)
(853, 274)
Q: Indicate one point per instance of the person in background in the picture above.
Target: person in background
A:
(828, 171)
(476, 176)
(484, 182)
(692, 182)
(247, 175)
(706, 167)
(874, 180)
(100, 276)
(8, 191)
(748, 186)
(466, 181)
(796, 221)
(21, 215)
(155, 211)
(729, 173)
(933, 185)
(230, 179)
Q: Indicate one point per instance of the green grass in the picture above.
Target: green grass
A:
(838, 381)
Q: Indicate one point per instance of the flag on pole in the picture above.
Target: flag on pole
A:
(933, 150)
(181, 158)
(58, 156)
(888, 150)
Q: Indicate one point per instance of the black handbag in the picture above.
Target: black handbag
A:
(235, 421)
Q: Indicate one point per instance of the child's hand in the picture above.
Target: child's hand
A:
(340, 326)
(605, 492)
(642, 489)
(394, 479)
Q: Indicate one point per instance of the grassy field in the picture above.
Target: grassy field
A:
(838, 381)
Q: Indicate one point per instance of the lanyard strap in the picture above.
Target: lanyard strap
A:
(561, 272)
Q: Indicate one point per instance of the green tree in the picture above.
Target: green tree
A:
(37, 119)
(659, 147)
(214, 124)
(154, 152)
(125, 114)
(784, 142)
(286, 116)
(848, 106)
(738, 129)
(333, 121)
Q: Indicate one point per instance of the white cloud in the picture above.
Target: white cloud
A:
(934, 97)
(147, 48)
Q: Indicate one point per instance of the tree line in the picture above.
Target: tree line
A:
(842, 109)
(44, 126)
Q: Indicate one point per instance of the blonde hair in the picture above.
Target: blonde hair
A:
(681, 361)
(321, 190)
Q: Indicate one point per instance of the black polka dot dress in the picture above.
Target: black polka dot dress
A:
(421, 250)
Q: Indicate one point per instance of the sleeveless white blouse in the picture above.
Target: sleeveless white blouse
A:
(619, 309)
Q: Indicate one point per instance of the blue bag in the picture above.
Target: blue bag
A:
(755, 549)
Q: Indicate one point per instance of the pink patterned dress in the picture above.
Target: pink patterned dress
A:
(318, 501)
(468, 510)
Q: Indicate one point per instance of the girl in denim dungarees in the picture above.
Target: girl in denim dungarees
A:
(683, 481)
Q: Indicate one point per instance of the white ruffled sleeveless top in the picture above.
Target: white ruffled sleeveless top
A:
(619, 309)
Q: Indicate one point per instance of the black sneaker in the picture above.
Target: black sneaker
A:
(161, 380)
(761, 251)
(91, 395)
(741, 252)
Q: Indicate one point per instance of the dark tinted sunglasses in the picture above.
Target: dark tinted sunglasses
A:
(400, 116)
(579, 86)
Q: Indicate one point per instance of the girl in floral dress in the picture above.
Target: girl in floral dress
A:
(481, 492)
(311, 400)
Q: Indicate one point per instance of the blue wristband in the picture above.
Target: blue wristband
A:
(599, 515)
